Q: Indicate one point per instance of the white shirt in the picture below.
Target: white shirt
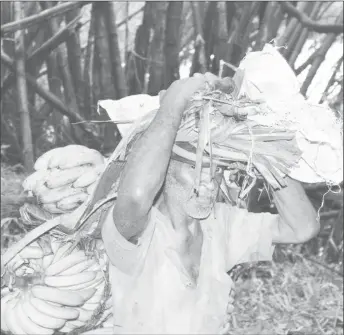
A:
(153, 294)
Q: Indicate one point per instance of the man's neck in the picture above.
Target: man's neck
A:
(176, 214)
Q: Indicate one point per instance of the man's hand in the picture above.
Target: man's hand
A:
(147, 163)
(181, 91)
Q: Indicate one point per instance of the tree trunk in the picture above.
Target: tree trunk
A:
(55, 86)
(74, 60)
(23, 102)
(88, 71)
(157, 56)
(239, 36)
(210, 28)
(118, 76)
(326, 45)
(268, 28)
(293, 38)
(199, 62)
(172, 38)
(62, 60)
(221, 46)
(292, 25)
(102, 48)
(137, 64)
(303, 37)
(332, 79)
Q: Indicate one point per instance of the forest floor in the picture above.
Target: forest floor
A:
(294, 298)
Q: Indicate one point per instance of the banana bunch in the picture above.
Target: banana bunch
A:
(61, 292)
(64, 177)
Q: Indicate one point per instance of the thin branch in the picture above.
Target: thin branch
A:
(307, 62)
(119, 24)
(309, 23)
(46, 95)
(332, 79)
(42, 16)
(42, 51)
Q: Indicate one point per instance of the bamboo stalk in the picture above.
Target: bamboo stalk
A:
(201, 59)
(266, 32)
(115, 53)
(291, 26)
(326, 45)
(102, 48)
(157, 56)
(220, 48)
(48, 96)
(332, 79)
(42, 16)
(239, 36)
(88, 70)
(172, 38)
(23, 101)
(126, 43)
(336, 28)
(62, 60)
(41, 52)
(74, 58)
(303, 37)
(137, 65)
(296, 33)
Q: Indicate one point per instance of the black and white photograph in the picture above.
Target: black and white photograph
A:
(171, 167)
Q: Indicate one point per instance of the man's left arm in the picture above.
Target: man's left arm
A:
(297, 220)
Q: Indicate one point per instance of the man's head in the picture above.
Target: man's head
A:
(179, 189)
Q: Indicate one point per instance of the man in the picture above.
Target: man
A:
(170, 250)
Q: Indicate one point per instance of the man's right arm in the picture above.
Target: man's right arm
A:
(147, 163)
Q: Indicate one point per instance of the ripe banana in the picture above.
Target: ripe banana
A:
(72, 201)
(5, 300)
(89, 156)
(47, 260)
(52, 294)
(97, 297)
(57, 194)
(31, 252)
(63, 251)
(75, 324)
(87, 294)
(85, 315)
(91, 188)
(65, 263)
(80, 267)
(65, 153)
(27, 324)
(66, 329)
(29, 184)
(61, 312)
(42, 163)
(86, 179)
(58, 178)
(42, 319)
(76, 279)
(69, 220)
(90, 284)
(11, 319)
(51, 208)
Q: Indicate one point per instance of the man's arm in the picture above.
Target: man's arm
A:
(147, 163)
(297, 222)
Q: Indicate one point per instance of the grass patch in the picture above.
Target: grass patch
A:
(297, 298)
